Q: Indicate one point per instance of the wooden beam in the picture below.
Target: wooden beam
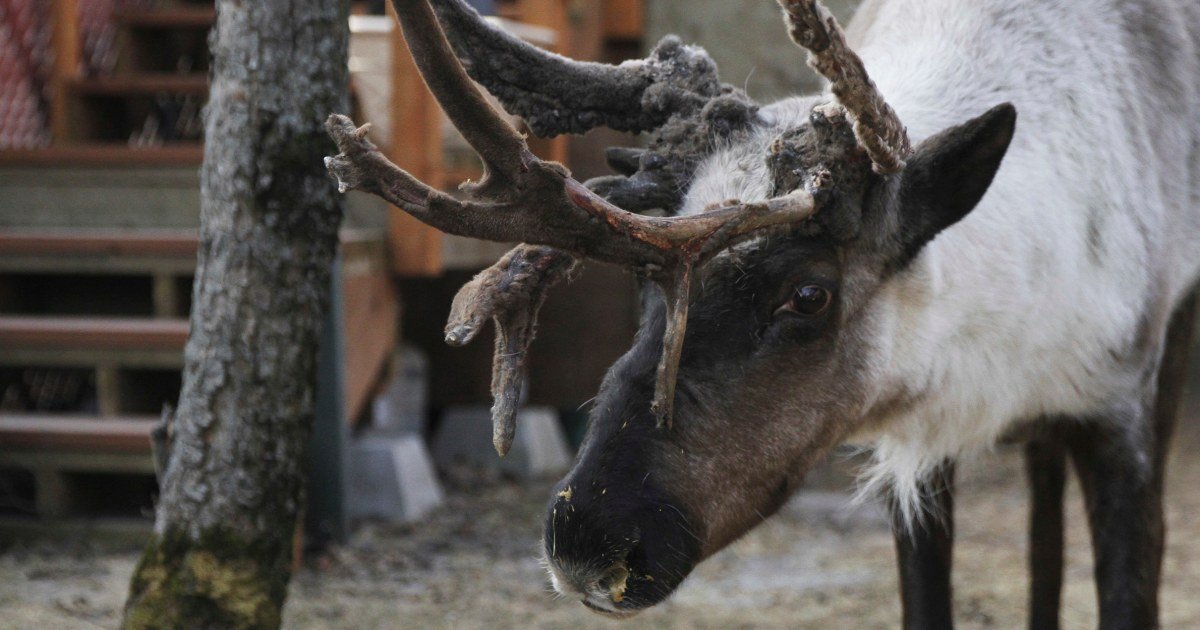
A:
(82, 434)
(415, 145)
(100, 154)
(371, 318)
(108, 389)
(144, 84)
(64, 20)
(624, 19)
(167, 17)
(554, 15)
(86, 243)
(110, 334)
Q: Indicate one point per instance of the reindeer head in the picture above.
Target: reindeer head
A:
(759, 346)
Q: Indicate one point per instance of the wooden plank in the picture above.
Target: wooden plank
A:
(92, 333)
(64, 16)
(141, 243)
(143, 84)
(108, 155)
(416, 145)
(554, 15)
(167, 17)
(71, 433)
(99, 265)
(73, 461)
(106, 530)
(371, 315)
(160, 359)
(624, 19)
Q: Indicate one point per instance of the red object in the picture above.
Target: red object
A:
(24, 69)
(26, 58)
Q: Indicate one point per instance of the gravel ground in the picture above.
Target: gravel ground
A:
(819, 563)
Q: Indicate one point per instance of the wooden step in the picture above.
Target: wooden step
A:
(101, 154)
(165, 243)
(171, 252)
(92, 333)
(117, 533)
(56, 448)
(145, 84)
(92, 341)
(75, 434)
(169, 17)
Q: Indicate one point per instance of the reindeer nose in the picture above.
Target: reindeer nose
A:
(600, 590)
(588, 547)
(617, 551)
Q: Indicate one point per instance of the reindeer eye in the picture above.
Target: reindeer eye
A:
(807, 300)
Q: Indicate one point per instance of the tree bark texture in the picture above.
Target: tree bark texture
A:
(232, 487)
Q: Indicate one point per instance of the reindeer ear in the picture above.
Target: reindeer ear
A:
(948, 174)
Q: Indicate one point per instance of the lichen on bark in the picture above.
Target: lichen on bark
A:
(218, 581)
(232, 487)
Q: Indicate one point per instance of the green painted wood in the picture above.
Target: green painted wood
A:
(97, 197)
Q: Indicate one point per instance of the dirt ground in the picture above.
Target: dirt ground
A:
(820, 563)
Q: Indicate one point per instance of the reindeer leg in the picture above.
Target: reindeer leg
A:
(1121, 464)
(1172, 380)
(1124, 505)
(1046, 468)
(924, 552)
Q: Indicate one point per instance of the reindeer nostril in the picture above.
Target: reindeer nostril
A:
(614, 581)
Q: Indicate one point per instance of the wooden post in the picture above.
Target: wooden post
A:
(64, 20)
(52, 493)
(166, 295)
(624, 19)
(554, 15)
(108, 389)
(416, 145)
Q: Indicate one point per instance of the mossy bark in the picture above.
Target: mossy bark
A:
(218, 582)
(232, 484)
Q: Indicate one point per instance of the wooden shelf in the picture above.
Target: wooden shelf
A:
(105, 155)
(141, 84)
(163, 254)
(166, 17)
(88, 243)
(92, 333)
(75, 433)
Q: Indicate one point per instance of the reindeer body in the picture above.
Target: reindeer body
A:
(1052, 297)
(830, 277)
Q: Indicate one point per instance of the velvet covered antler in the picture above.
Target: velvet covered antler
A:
(878, 129)
(522, 198)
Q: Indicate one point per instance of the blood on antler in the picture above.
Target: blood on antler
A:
(524, 199)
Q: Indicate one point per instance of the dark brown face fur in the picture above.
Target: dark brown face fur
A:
(764, 390)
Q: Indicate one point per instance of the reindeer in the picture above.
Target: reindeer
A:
(827, 274)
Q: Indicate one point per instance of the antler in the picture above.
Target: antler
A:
(511, 293)
(876, 125)
(522, 198)
(557, 95)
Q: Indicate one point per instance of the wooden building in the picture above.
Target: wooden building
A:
(100, 143)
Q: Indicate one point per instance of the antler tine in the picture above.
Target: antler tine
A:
(510, 293)
(876, 125)
(492, 137)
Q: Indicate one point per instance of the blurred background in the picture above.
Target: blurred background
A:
(413, 521)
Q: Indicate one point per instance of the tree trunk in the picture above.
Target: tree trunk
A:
(232, 486)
